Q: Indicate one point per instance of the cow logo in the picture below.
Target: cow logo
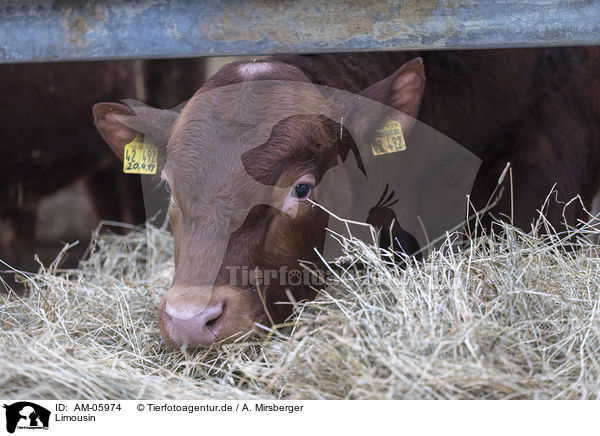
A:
(392, 235)
(26, 415)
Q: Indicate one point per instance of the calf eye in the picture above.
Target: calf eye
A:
(298, 193)
(301, 190)
(167, 187)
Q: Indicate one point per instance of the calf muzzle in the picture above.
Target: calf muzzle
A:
(195, 317)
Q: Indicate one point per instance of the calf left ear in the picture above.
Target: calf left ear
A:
(120, 123)
(403, 91)
(115, 133)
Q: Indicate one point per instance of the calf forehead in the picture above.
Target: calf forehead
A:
(204, 161)
(217, 127)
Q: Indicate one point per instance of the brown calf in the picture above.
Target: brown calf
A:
(537, 108)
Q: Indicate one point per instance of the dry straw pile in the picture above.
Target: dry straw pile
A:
(504, 317)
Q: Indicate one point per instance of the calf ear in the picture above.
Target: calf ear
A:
(120, 123)
(402, 91)
(114, 132)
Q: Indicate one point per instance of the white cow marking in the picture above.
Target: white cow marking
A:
(251, 69)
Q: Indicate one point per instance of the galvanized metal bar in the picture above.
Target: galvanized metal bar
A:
(44, 30)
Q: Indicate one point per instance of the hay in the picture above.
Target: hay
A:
(509, 317)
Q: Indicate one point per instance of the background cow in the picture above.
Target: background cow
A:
(49, 145)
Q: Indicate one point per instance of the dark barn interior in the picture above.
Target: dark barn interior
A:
(59, 179)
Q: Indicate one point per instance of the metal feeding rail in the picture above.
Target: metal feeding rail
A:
(48, 30)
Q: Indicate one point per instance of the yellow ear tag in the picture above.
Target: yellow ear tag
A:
(140, 157)
(388, 139)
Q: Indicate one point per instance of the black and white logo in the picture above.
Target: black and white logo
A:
(26, 415)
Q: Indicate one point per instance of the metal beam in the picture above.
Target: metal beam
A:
(43, 30)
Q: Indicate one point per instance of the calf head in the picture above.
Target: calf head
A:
(242, 161)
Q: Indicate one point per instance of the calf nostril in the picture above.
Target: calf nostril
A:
(213, 316)
(211, 322)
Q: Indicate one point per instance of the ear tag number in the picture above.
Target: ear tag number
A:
(388, 139)
(140, 157)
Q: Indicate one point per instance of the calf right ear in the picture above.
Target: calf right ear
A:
(114, 132)
(403, 91)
